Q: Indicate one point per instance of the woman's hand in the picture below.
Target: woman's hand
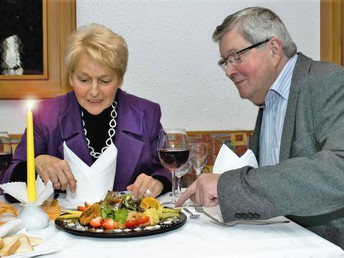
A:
(145, 186)
(57, 171)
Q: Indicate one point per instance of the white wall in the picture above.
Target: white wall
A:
(173, 60)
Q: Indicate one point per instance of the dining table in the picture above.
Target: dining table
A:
(198, 237)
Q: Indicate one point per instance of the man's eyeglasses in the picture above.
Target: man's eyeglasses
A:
(235, 58)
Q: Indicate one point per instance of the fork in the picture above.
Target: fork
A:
(250, 222)
(192, 215)
(200, 209)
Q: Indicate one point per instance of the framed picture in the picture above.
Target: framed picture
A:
(32, 47)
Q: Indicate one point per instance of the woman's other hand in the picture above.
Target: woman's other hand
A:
(57, 171)
(145, 186)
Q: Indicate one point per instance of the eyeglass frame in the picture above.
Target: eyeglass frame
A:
(237, 60)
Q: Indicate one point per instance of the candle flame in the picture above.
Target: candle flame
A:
(30, 104)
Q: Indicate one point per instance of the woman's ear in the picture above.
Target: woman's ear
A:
(120, 83)
(70, 80)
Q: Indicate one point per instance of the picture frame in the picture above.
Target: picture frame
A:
(58, 21)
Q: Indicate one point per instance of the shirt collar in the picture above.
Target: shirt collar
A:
(282, 83)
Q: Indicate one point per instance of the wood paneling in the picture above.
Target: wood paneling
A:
(332, 31)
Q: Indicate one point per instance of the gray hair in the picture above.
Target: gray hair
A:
(256, 24)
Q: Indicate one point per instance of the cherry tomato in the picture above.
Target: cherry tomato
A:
(85, 207)
(136, 222)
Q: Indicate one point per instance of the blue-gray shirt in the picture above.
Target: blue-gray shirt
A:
(273, 116)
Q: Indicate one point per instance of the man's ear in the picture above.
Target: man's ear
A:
(276, 50)
(276, 46)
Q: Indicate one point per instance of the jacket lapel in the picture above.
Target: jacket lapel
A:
(255, 141)
(301, 71)
(71, 130)
(129, 139)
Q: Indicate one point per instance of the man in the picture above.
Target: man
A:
(299, 135)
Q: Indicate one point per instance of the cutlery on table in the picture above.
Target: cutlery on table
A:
(250, 222)
(200, 209)
(192, 215)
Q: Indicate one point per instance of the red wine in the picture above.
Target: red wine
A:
(5, 160)
(173, 158)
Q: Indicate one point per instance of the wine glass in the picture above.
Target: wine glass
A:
(180, 172)
(198, 156)
(173, 151)
(5, 153)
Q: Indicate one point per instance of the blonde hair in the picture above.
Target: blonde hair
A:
(100, 44)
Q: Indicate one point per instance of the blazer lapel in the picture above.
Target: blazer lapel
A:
(71, 130)
(255, 141)
(301, 71)
(128, 139)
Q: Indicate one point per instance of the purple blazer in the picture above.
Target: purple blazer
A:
(138, 124)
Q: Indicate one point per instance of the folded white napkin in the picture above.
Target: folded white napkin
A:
(227, 160)
(12, 227)
(19, 191)
(92, 182)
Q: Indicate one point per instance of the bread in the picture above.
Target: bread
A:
(18, 244)
(1, 243)
(11, 244)
(25, 246)
(5, 207)
(34, 241)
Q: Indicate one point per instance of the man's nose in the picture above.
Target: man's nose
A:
(230, 70)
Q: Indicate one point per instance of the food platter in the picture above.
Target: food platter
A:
(72, 226)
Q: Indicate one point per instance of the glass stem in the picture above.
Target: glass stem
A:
(179, 190)
(173, 201)
(198, 172)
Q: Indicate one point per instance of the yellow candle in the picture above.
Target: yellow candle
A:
(30, 152)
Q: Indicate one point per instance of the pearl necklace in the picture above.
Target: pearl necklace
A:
(111, 132)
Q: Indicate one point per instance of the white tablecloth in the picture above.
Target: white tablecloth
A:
(199, 238)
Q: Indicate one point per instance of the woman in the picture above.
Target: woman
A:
(96, 114)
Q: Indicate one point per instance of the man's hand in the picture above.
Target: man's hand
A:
(57, 171)
(203, 191)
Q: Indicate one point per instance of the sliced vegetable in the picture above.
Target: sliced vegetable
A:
(171, 210)
(136, 219)
(169, 215)
(109, 223)
(70, 214)
(83, 208)
(96, 222)
(153, 215)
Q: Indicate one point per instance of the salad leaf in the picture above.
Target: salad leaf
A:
(121, 215)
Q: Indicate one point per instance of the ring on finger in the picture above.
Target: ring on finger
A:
(55, 181)
(148, 192)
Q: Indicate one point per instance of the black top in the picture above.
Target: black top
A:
(97, 127)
